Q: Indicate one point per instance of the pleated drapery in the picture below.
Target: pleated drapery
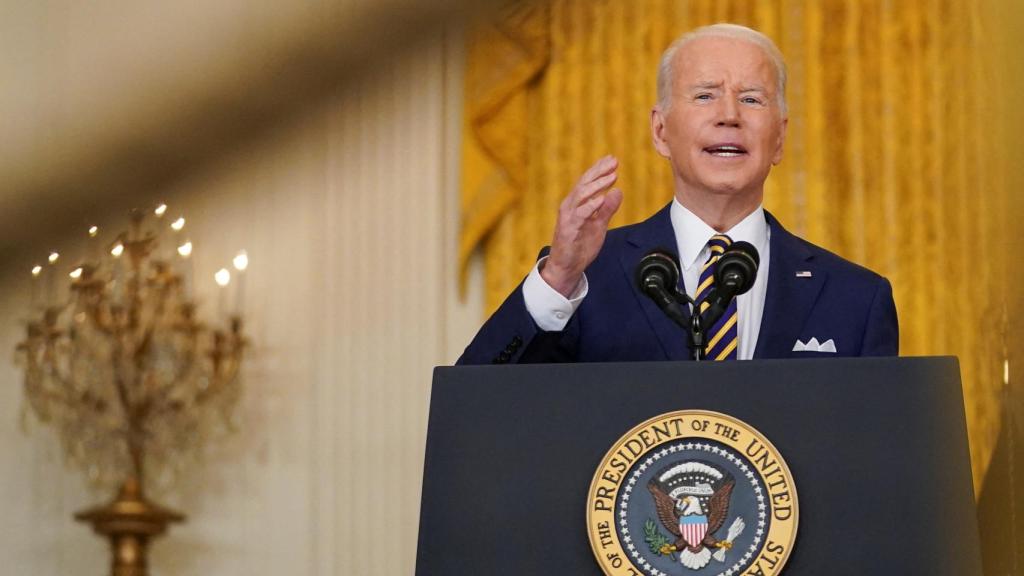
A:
(892, 154)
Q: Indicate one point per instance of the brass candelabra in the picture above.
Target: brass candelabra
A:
(130, 379)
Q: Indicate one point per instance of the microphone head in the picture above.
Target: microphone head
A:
(736, 269)
(658, 268)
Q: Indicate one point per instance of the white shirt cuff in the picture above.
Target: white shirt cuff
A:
(550, 310)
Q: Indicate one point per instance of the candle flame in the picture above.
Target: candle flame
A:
(241, 261)
(185, 249)
(117, 250)
(53, 257)
(36, 270)
(93, 231)
(178, 224)
(223, 277)
(76, 273)
(160, 210)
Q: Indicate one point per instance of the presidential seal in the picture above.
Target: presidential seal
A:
(692, 493)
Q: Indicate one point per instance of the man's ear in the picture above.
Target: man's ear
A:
(658, 132)
(779, 144)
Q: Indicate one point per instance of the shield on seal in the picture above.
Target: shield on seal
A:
(693, 528)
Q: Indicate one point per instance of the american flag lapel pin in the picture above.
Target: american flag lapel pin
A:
(803, 274)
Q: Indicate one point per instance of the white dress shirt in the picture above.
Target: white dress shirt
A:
(551, 311)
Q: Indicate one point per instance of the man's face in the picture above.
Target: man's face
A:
(724, 129)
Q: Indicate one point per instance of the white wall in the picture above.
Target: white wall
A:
(350, 221)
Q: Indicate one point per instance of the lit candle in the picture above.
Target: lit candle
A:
(51, 279)
(94, 244)
(223, 278)
(176, 227)
(36, 271)
(185, 251)
(240, 262)
(117, 272)
(159, 212)
(75, 274)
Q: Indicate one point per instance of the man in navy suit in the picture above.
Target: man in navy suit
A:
(720, 121)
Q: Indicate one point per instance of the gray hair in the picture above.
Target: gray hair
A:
(665, 71)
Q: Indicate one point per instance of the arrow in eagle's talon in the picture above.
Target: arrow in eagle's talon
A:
(722, 547)
(734, 531)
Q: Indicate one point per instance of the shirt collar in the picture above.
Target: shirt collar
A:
(692, 233)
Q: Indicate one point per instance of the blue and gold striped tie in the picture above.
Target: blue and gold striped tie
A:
(722, 337)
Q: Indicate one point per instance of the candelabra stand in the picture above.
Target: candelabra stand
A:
(131, 379)
(130, 521)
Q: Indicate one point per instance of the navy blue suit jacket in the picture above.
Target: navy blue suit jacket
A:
(841, 301)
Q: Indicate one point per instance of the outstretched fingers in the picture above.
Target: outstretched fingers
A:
(600, 208)
(588, 190)
(608, 208)
(587, 209)
(600, 168)
(581, 226)
(598, 177)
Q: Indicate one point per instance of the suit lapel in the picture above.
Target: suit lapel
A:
(654, 233)
(789, 298)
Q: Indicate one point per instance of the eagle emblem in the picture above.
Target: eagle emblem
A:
(692, 502)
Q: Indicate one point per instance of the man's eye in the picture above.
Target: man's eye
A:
(703, 97)
(750, 100)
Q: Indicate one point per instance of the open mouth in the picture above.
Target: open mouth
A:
(726, 150)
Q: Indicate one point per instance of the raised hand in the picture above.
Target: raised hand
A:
(582, 224)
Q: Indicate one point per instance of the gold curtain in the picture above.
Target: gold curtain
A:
(891, 159)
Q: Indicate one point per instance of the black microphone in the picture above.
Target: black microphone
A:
(658, 275)
(735, 273)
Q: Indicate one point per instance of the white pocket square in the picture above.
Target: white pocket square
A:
(812, 345)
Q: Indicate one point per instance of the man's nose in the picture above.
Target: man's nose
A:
(728, 113)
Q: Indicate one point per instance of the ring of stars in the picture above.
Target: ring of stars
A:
(649, 462)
